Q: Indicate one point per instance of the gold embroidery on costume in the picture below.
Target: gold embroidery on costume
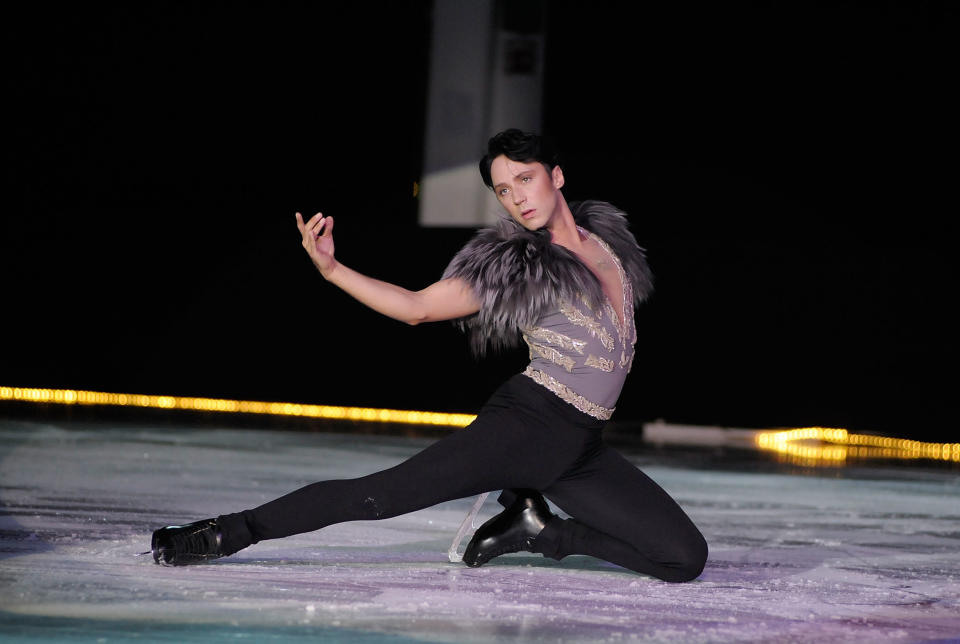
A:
(628, 330)
(627, 293)
(586, 303)
(568, 395)
(565, 341)
(551, 354)
(576, 316)
(601, 363)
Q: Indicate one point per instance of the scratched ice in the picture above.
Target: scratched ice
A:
(793, 558)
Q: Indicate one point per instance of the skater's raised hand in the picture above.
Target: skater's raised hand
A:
(317, 236)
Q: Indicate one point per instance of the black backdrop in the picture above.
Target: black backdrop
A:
(790, 167)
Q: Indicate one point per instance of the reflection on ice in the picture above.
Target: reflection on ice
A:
(793, 558)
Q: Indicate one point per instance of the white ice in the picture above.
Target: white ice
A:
(793, 558)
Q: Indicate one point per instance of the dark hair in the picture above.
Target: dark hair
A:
(524, 147)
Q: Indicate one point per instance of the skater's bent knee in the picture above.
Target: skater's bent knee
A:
(691, 563)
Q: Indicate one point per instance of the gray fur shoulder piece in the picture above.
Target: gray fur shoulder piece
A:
(518, 274)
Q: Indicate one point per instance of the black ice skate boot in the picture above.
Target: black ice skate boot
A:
(513, 530)
(182, 545)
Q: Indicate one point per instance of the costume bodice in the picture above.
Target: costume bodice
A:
(584, 355)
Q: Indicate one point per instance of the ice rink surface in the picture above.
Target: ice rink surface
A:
(870, 554)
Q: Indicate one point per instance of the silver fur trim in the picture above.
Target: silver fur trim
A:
(519, 275)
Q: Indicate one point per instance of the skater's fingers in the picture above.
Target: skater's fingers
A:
(313, 220)
(316, 225)
(328, 228)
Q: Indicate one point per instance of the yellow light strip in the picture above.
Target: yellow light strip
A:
(824, 445)
(808, 445)
(367, 414)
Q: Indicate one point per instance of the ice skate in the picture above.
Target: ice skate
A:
(513, 530)
(182, 545)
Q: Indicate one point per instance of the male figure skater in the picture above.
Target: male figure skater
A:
(565, 278)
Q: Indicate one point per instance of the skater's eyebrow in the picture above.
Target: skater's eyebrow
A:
(519, 175)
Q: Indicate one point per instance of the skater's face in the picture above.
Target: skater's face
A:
(528, 193)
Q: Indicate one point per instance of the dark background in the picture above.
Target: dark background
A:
(791, 168)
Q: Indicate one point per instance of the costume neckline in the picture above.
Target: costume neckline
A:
(619, 323)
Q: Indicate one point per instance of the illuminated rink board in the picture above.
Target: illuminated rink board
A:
(826, 446)
(808, 445)
(224, 405)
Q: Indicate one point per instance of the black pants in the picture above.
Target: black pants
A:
(524, 437)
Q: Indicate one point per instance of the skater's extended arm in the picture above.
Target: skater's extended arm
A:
(443, 300)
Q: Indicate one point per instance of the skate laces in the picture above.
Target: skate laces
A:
(201, 542)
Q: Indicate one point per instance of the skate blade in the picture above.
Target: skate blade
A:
(468, 522)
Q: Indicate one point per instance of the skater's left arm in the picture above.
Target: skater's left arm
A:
(444, 300)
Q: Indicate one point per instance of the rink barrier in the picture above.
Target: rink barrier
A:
(831, 444)
(224, 405)
(804, 445)
(807, 445)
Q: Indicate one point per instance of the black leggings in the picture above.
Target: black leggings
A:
(524, 437)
